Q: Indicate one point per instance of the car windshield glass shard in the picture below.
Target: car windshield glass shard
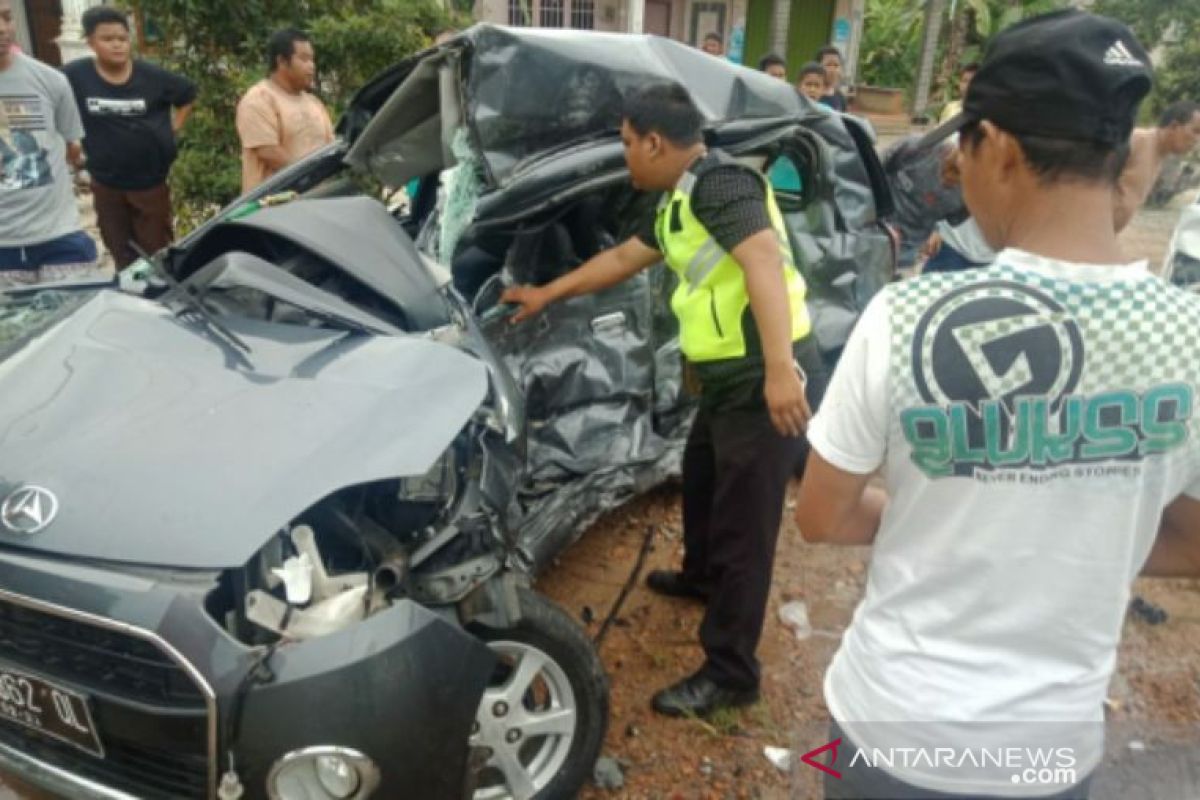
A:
(463, 188)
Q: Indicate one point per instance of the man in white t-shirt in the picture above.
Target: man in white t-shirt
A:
(1036, 423)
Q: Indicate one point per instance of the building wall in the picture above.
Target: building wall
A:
(807, 24)
(609, 15)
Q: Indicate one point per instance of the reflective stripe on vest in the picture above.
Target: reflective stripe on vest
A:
(711, 298)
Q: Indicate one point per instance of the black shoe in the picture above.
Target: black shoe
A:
(698, 696)
(673, 584)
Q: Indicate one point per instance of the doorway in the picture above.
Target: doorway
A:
(657, 18)
(706, 18)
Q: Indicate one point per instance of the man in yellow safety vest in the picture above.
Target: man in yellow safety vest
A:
(745, 334)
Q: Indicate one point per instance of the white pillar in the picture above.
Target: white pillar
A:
(70, 42)
(858, 9)
(781, 20)
(22, 24)
(933, 29)
(637, 15)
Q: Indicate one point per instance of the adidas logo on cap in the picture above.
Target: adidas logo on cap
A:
(1119, 55)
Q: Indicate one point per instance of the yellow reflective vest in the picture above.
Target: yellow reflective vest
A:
(711, 298)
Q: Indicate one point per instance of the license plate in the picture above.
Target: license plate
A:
(48, 709)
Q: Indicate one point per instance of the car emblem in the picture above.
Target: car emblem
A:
(28, 510)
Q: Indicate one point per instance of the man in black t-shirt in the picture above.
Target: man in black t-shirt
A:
(131, 112)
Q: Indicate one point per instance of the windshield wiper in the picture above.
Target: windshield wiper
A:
(195, 304)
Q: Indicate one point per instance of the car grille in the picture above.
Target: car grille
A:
(95, 657)
(151, 717)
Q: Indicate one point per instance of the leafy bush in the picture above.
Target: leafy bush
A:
(220, 45)
(1171, 30)
(891, 46)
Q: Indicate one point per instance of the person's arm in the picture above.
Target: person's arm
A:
(1176, 551)
(274, 156)
(762, 264)
(1126, 199)
(1134, 184)
(75, 154)
(180, 93)
(258, 128)
(600, 272)
(67, 120)
(179, 117)
(849, 438)
(932, 245)
(836, 506)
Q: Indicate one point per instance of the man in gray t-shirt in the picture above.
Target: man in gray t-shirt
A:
(40, 129)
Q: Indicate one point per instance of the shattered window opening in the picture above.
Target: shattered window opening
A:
(463, 187)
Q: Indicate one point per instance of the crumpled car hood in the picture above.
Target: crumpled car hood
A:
(163, 447)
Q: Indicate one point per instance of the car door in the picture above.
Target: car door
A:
(600, 374)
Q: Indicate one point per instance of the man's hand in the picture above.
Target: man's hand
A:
(932, 245)
(180, 118)
(786, 402)
(951, 170)
(75, 155)
(531, 299)
(600, 272)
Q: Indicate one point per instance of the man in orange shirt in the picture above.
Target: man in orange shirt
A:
(279, 120)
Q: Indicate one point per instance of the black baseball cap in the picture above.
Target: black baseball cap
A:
(1066, 75)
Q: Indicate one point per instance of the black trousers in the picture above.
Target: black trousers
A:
(736, 469)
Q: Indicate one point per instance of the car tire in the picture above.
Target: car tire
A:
(569, 672)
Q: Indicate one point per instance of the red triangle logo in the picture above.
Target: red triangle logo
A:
(832, 747)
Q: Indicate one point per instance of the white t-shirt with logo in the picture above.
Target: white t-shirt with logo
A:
(1032, 419)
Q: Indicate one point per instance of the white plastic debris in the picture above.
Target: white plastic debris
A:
(795, 616)
(780, 758)
(1137, 746)
(297, 576)
(231, 788)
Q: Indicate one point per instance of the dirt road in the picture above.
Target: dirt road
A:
(1156, 691)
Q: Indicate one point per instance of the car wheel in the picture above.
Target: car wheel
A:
(543, 717)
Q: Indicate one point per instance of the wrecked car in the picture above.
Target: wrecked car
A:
(268, 524)
(1182, 264)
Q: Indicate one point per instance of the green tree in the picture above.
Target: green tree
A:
(220, 45)
(891, 50)
(1170, 29)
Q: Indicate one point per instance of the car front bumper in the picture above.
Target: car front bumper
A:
(177, 703)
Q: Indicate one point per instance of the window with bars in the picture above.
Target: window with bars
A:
(553, 13)
(583, 14)
(519, 12)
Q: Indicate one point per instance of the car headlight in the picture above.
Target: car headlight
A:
(323, 773)
(337, 776)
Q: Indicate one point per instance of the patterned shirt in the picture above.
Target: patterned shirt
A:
(1033, 418)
